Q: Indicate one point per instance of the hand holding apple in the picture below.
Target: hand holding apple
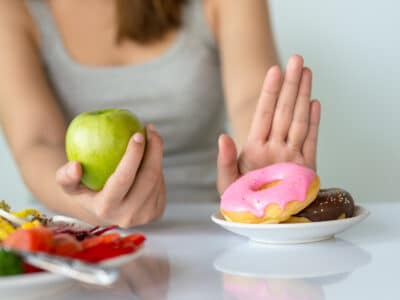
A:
(133, 194)
(98, 140)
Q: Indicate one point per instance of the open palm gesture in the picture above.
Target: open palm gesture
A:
(284, 128)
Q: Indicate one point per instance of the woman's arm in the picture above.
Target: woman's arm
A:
(35, 128)
(31, 120)
(247, 51)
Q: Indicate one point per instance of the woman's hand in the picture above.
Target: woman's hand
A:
(134, 194)
(284, 128)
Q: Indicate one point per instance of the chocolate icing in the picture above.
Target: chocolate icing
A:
(329, 205)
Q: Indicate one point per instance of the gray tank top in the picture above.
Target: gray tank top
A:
(179, 91)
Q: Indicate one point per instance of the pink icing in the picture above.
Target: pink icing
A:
(244, 194)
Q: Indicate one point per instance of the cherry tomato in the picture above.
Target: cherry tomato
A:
(33, 239)
(65, 245)
(135, 239)
(99, 240)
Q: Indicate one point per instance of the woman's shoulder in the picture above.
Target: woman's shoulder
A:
(200, 20)
(209, 12)
(15, 18)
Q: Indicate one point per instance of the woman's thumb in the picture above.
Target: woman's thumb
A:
(228, 170)
(69, 177)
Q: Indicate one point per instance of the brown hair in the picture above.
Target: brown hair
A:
(145, 21)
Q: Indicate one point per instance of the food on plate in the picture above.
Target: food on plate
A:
(330, 204)
(284, 193)
(92, 249)
(65, 244)
(10, 263)
(38, 233)
(5, 229)
(271, 194)
(30, 216)
(100, 248)
(33, 239)
(4, 206)
(98, 140)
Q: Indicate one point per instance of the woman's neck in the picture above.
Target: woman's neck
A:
(89, 28)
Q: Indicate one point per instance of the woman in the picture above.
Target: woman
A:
(177, 65)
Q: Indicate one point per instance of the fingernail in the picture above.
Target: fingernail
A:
(221, 136)
(293, 61)
(273, 69)
(138, 138)
(151, 127)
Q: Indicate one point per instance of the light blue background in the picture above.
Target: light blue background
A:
(353, 48)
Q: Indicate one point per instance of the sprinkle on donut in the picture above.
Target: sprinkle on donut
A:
(330, 204)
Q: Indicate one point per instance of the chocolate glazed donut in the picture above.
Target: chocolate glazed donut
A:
(330, 204)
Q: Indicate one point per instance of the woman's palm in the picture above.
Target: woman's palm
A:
(284, 128)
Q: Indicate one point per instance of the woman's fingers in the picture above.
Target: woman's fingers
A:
(160, 200)
(120, 182)
(299, 127)
(264, 113)
(69, 177)
(140, 205)
(151, 169)
(150, 209)
(311, 141)
(143, 207)
(287, 99)
(227, 165)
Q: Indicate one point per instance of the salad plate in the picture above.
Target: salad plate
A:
(24, 285)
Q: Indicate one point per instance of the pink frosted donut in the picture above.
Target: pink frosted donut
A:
(271, 194)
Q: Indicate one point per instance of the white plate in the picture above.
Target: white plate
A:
(292, 233)
(11, 285)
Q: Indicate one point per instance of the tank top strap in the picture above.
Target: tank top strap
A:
(195, 22)
(41, 14)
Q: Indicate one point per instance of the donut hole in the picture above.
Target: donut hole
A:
(268, 185)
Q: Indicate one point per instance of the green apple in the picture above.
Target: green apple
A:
(98, 140)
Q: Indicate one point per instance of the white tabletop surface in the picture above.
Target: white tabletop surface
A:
(188, 257)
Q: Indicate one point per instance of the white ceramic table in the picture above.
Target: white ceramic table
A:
(189, 257)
